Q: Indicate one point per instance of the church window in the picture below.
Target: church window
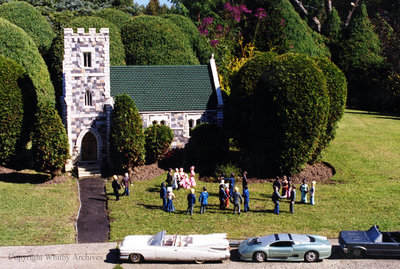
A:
(155, 122)
(162, 122)
(198, 121)
(88, 98)
(87, 59)
(191, 123)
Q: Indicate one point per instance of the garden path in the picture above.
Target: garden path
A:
(93, 224)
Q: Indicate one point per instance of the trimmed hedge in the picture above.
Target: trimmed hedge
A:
(18, 46)
(117, 53)
(284, 30)
(337, 92)
(199, 43)
(286, 113)
(150, 40)
(30, 20)
(11, 110)
(116, 16)
(158, 139)
(49, 142)
(126, 135)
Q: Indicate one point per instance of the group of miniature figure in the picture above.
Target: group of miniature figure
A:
(228, 193)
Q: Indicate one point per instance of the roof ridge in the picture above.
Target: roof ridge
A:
(147, 66)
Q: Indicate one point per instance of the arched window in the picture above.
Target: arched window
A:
(191, 123)
(162, 122)
(198, 121)
(88, 98)
(155, 122)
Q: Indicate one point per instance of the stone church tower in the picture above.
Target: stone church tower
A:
(86, 100)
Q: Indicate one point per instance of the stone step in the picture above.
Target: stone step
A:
(89, 170)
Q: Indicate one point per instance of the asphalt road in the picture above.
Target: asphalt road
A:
(104, 255)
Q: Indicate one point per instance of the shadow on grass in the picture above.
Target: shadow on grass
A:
(24, 178)
(152, 206)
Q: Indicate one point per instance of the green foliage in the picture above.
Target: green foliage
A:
(337, 92)
(49, 142)
(360, 48)
(158, 139)
(332, 26)
(116, 16)
(286, 110)
(117, 54)
(31, 21)
(201, 47)
(126, 135)
(207, 147)
(285, 31)
(11, 110)
(18, 46)
(150, 40)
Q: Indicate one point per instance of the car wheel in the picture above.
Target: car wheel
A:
(259, 256)
(311, 256)
(135, 257)
(357, 253)
(198, 261)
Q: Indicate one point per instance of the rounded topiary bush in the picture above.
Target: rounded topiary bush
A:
(201, 47)
(49, 141)
(116, 16)
(337, 92)
(207, 147)
(30, 20)
(18, 46)
(150, 40)
(11, 110)
(158, 139)
(287, 115)
(117, 54)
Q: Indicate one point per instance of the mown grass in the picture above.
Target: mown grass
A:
(34, 214)
(364, 192)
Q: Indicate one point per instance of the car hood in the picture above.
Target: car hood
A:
(132, 241)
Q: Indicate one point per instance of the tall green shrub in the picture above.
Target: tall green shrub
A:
(284, 31)
(158, 139)
(11, 110)
(150, 40)
(18, 46)
(116, 16)
(30, 20)
(49, 142)
(126, 135)
(287, 113)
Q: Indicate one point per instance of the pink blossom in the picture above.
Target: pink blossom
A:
(260, 13)
(214, 43)
(244, 9)
(282, 22)
(228, 6)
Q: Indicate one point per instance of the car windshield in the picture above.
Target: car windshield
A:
(157, 239)
(253, 241)
(374, 235)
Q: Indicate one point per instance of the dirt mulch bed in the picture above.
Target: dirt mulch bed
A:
(147, 172)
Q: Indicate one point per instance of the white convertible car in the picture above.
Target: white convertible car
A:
(162, 247)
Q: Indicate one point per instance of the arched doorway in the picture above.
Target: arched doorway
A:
(89, 147)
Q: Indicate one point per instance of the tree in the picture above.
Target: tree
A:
(116, 16)
(49, 141)
(11, 110)
(153, 8)
(31, 21)
(151, 40)
(126, 134)
(158, 139)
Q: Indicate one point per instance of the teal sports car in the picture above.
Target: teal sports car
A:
(285, 247)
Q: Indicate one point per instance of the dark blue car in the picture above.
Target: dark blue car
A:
(358, 244)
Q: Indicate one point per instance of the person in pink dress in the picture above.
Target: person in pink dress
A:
(182, 182)
(192, 179)
(187, 181)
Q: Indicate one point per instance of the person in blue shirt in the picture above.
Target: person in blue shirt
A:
(236, 199)
(163, 195)
(191, 198)
(246, 198)
(304, 191)
(231, 182)
(203, 199)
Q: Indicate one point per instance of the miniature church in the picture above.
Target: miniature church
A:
(180, 97)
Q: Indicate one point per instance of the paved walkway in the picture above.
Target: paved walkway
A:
(93, 225)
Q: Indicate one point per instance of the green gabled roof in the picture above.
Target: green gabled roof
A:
(165, 88)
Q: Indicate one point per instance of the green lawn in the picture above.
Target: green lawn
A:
(33, 214)
(364, 192)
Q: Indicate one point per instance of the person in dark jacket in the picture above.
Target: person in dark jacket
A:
(169, 177)
(163, 195)
(275, 199)
(276, 184)
(191, 198)
(244, 179)
(222, 196)
(246, 198)
(116, 187)
(231, 182)
(236, 199)
(203, 199)
(292, 198)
